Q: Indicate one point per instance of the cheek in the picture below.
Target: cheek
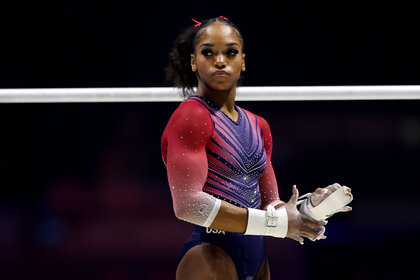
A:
(202, 61)
(237, 65)
(202, 65)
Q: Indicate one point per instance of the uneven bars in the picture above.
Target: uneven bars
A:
(169, 94)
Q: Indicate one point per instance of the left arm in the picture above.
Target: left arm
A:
(268, 181)
(299, 226)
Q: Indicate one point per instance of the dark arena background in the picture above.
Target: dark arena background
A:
(83, 189)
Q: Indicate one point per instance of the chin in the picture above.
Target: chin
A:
(221, 86)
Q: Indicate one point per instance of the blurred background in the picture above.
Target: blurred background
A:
(84, 194)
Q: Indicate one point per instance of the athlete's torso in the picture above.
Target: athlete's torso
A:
(235, 154)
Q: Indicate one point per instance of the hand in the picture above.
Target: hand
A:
(300, 226)
(322, 193)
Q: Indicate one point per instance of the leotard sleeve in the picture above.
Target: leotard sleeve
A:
(185, 136)
(268, 182)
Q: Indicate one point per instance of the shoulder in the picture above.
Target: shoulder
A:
(192, 116)
(190, 109)
(193, 108)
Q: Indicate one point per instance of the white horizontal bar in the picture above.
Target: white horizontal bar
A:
(169, 94)
(314, 93)
(70, 95)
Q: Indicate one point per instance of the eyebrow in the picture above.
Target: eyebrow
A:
(211, 45)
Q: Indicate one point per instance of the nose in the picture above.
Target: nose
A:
(220, 61)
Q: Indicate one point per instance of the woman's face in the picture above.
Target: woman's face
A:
(218, 57)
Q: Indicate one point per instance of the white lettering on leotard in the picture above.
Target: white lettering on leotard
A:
(210, 230)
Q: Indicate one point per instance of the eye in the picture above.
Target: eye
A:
(232, 52)
(207, 52)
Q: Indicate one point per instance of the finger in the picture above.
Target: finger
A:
(313, 226)
(295, 191)
(295, 195)
(347, 189)
(317, 197)
(298, 239)
(307, 235)
(348, 192)
(313, 223)
(325, 192)
(334, 187)
(320, 236)
(312, 233)
(329, 191)
(345, 209)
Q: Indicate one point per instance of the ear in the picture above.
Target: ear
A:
(243, 62)
(193, 64)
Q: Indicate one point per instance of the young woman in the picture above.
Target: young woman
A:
(217, 157)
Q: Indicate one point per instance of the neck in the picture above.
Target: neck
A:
(223, 99)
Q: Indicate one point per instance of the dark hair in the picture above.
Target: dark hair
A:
(179, 69)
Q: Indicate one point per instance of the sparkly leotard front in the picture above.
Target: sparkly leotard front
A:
(208, 157)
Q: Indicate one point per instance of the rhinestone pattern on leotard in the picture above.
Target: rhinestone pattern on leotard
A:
(208, 156)
(236, 157)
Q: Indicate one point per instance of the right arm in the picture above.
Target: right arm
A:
(189, 130)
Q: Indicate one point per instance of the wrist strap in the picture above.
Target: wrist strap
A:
(268, 223)
(334, 202)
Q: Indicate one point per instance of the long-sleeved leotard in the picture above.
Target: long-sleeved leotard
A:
(209, 157)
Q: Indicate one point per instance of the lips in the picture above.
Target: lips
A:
(220, 73)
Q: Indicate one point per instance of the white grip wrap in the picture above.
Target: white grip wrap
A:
(272, 222)
(329, 206)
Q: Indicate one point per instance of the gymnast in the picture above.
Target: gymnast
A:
(218, 161)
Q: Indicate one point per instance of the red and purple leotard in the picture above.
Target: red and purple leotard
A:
(210, 157)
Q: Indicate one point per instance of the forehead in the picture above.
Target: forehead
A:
(218, 33)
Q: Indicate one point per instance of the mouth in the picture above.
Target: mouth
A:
(220, 73)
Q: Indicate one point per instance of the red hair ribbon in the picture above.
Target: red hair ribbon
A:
(198, 23)
(225, 18)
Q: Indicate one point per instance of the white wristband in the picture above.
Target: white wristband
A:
(272, 222)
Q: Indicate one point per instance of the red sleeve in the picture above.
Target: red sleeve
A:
(184, 153)
(268, 182)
